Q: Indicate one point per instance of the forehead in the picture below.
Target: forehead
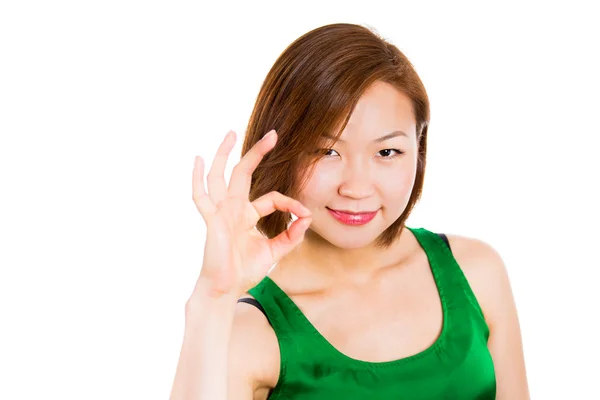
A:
(380, 110)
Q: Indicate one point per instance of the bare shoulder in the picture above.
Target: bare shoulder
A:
(253, 353)
(484, 269)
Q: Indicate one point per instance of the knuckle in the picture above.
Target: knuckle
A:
(276, 196)
(243, 170)
(198, 197)
(234, 201)
(219, 204)
(212, 175)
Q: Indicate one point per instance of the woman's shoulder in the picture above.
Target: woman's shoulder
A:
(475, 251)
(254, 347)
(484, 269)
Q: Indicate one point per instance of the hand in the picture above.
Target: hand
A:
(236, 255)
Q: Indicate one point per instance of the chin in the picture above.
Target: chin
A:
(359, 243)
(352, 238)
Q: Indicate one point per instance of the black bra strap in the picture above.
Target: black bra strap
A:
(445, 239)
(255, 303)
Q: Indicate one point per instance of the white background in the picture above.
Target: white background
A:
(103, 106)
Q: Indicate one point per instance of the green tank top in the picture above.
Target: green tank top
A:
(457, 366)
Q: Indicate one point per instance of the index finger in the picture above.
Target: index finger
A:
(241, 177)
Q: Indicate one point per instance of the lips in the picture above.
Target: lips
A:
(353, 218)
(352, 212)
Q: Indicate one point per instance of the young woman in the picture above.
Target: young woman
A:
(346, 302)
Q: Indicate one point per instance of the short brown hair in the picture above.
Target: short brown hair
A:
(311, 90)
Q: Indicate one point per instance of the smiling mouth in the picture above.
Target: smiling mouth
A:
(352, 219)
(352, 212)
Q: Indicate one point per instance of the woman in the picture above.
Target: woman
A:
(346, 302)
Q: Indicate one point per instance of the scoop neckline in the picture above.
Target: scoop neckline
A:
(439, 341)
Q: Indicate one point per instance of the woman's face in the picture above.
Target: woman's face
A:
(361, 173)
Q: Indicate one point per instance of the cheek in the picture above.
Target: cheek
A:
(405, 181)
(398, 184)
(318, 187)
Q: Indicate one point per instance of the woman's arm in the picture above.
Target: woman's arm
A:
(229, 351)
(202, 369)
(486, 272)
(505, 343)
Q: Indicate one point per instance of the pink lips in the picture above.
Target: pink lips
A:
(352, 219)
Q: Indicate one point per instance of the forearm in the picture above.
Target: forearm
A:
(202, 369)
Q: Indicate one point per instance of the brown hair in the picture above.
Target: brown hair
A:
(311, 90)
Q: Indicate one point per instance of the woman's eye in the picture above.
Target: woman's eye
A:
(387, 152)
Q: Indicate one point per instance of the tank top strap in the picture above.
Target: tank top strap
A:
(283, 314)
(294, 335)
(450, 278)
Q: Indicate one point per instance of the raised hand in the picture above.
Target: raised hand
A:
(236, 255)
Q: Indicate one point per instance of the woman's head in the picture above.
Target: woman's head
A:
(329, 95)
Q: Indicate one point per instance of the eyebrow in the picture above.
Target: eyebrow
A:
(378, 140)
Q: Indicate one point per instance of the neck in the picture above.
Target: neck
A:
(320, 259)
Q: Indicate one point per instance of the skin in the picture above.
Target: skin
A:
(337, 270)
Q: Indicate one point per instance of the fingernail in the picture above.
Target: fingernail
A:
(269, 134)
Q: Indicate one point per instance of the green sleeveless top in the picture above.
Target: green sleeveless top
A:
(457, 366)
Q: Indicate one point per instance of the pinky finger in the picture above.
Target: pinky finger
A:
(288, 239)
(199, 195)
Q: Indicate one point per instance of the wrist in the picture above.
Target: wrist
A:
(208, 288)
(205, 298)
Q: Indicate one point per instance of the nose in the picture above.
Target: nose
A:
(356, 182)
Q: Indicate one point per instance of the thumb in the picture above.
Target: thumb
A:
(284, 242)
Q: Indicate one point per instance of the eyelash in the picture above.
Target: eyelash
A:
(398, 153)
